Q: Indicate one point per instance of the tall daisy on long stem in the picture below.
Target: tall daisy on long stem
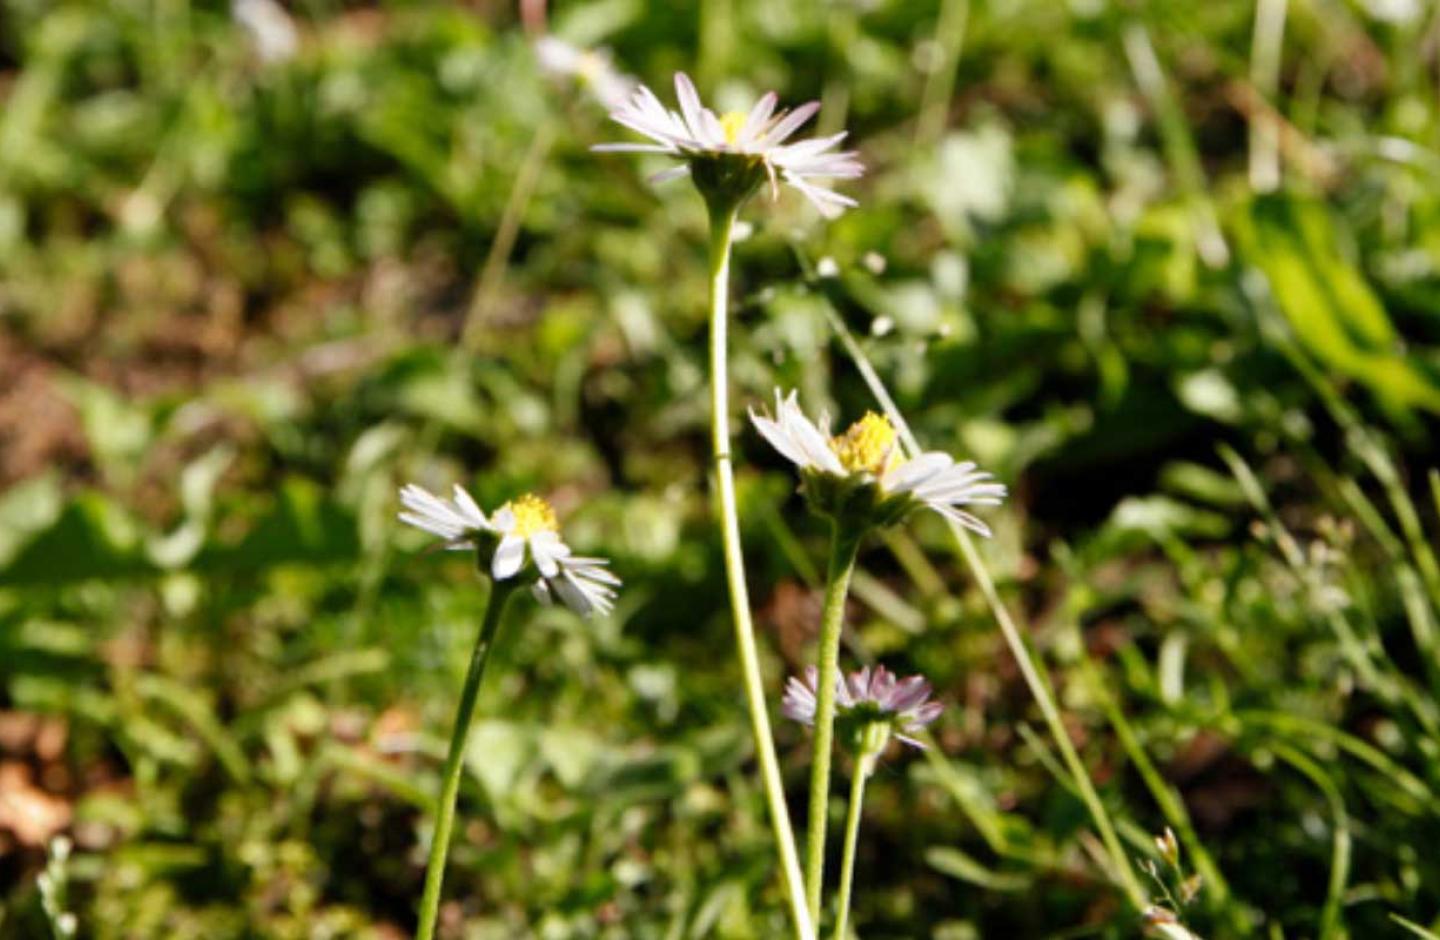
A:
(860, 481)
(519, 543)
(729, 158)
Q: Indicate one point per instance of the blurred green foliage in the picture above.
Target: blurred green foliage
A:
(241, 302)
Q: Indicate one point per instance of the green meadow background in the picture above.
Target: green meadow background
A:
(1170, 270)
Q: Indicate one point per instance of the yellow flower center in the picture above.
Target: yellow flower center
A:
(868, 446)
(732, 122)
(532, 515)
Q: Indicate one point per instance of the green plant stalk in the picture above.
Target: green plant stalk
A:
(1266, 48)
(1332, 921)
(1171, 805)
(500, 594)
(852, 836)
(488, 285)
(1034, 680)
(844, 545)
(1414, 928)
(722, 223)
(1178, 144)
(940, 83)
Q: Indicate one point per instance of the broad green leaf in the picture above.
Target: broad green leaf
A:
(92, 538)
(1333, 312)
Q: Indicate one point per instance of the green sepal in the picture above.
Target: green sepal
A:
(726, 180)
(856, 503)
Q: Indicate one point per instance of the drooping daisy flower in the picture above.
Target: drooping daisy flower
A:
(738, 150)
(867, 697)
(864, 472)
(591, 68)
(520, 533)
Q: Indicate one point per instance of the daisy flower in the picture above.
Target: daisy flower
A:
(737, 151)
(591, 68)
(271, 29)
(520, 533)
(864, 472)
(867, 697)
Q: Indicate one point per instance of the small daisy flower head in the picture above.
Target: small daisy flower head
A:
(863, 477)
(870, 706)
(592, 69)
(729, 156)
(521, 539)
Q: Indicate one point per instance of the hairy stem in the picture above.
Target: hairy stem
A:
(843, 547)
(722, 222)
(852, 836)
(500, 594)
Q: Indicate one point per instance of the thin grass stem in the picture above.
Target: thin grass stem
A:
(1267, 41)
(506, 233)
(1332, 922)
(940, 83)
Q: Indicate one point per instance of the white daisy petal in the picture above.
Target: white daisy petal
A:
(778, 439)
(424, 503)
(469, 508)
(509, 558)
(804, 152)
(914, 472)
(592, 569)
(433, 526)
(806, 436)
(428, 512)
(632, 148)
(690, 106)
(547, 550)
(714, 131)
(790, 123)
(961, 518)
(674, 173)
(759, 116)
(952, 486)
(572, 596)
(827, 203)
(581, 595)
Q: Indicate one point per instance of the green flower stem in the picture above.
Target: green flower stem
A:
(844, 545)
(500, 594)
(873, 745)
(1030, 670)
(722, 222)
(847, 863)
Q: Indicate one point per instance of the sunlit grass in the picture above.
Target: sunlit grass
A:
(1170, 275)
